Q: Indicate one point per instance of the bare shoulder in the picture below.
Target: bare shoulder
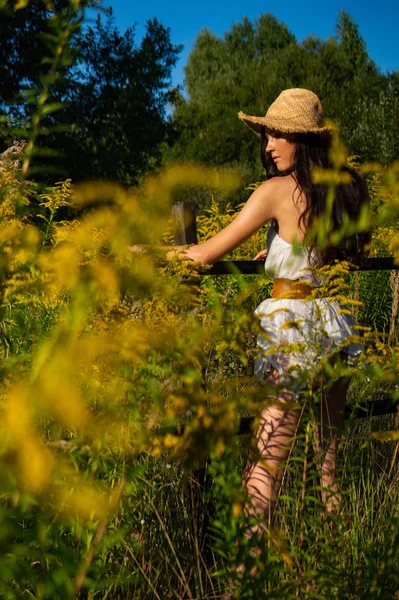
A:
(269, 196)
(278, 184)
(277, 189)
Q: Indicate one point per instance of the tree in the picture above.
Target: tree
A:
(375, 124)
(118, 95)
(24, 40)
(115, 94)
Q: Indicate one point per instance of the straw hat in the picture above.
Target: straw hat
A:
(295, 111)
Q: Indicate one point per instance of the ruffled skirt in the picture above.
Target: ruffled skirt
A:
(298, 333)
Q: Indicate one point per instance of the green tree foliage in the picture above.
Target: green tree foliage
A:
(222, 76)
(115, 93)
(375, 123)
(25, 37)
(249, 67)
(118, 98)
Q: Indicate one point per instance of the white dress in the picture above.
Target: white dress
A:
(298, 333)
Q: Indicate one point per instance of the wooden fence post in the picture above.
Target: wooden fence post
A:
(184, 224)
(185, 233)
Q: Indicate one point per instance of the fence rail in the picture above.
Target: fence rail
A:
(185, 232)
(256, 267)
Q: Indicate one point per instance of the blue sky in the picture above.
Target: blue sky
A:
(378, 22)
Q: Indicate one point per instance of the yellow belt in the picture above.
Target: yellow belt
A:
(287, 288)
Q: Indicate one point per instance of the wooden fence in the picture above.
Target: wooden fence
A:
(185, 233)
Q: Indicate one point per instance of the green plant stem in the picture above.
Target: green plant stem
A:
(50, 79)
(96, 541)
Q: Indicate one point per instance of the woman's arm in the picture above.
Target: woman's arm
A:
(257, 211)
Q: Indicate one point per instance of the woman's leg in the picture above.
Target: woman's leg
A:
(262, 475)
(332, 416)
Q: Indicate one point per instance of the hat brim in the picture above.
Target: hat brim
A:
(256, 124)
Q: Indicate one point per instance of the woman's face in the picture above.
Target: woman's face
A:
(281, 149)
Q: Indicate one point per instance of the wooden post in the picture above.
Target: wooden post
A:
(185, 233)
(184, 224)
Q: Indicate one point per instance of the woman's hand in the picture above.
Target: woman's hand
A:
(261, 255)
(194, 253)
(173, 252)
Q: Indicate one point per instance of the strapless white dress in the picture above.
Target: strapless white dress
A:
(298, 333)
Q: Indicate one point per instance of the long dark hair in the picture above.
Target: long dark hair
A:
(312, 150)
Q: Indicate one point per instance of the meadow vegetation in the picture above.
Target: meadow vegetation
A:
(124, 374)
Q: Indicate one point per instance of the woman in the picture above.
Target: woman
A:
(294, 140)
